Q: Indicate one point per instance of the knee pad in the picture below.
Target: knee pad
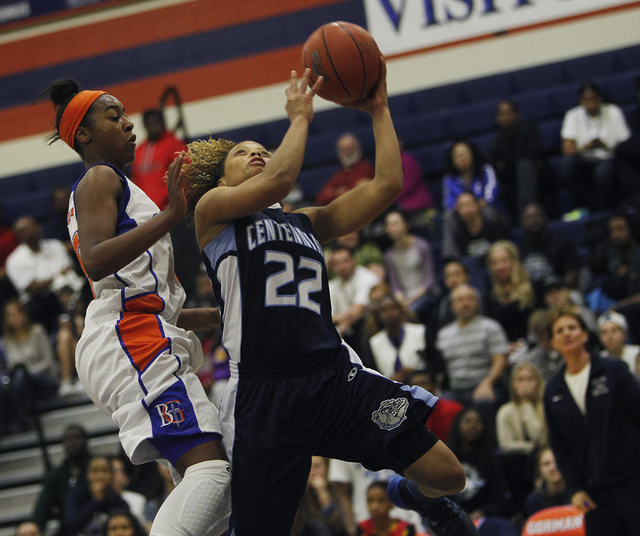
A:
(200, 505)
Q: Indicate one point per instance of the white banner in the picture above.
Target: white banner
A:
(407, 25)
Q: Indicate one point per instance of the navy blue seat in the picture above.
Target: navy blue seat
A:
(483, 141)
(435, 187)
(35, 203)
(337, 120)
(432, 158)
(622, 88)
(402, 105)
(424, 128)
(565, 97)
(64, 175)
(534, 105)
(628, 58)
(555, 162)
(589, 67)
(311, 180)
(36, 182)
(321, 149)
(273, 133)
(629, 111)
(489, 87)
(550, 134)
(12, 186)
(365, 135)
(571, 229)
(473, 118)
(438, 98)
(250, 132)
(565, 203)
(436, 254)
(540, 77)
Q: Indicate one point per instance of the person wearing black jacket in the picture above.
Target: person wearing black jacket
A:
(50, 504)
(518, 156)
(592, 406)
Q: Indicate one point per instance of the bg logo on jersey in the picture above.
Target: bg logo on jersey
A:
(170, 413)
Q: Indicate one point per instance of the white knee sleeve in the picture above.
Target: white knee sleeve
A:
(200, 505)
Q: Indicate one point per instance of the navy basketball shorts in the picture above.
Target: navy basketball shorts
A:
(275, 418)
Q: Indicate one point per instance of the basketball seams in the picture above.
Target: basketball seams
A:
(362, 62)
(333, 67)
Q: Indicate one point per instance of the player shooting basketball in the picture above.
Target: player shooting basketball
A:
(296, 389)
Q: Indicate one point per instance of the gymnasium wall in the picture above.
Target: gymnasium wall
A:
(231, 64)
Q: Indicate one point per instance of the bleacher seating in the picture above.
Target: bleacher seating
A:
(426, 121)
(29, 193)
(25, 457)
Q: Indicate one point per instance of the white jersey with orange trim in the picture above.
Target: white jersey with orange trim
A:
(133, 361)
(146, 285)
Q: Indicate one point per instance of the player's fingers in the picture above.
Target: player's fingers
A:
(176, 165)
(316, 86)
(305, 79)
(180, 179)
(383, 67)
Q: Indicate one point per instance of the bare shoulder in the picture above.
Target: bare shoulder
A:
(100, 180)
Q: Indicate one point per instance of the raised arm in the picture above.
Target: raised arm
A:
(358, 207)
(97, 201)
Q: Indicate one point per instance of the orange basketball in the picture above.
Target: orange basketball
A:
(348, 58)
(556, 521)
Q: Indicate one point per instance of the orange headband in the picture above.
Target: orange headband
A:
(74, 114)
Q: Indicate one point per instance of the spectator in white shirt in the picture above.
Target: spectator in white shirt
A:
(349, 291)
(398, 347)
(38, 268)
(590, 132)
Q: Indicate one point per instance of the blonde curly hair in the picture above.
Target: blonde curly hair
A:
(203, 167)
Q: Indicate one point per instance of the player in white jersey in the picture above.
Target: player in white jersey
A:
(296, 389)
(136, 357)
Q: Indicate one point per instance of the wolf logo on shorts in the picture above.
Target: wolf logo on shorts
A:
(391, 413)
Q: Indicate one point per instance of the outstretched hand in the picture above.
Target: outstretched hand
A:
(378, 98)
(300, 95)
(175, 183)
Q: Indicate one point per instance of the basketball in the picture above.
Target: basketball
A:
(348, 58)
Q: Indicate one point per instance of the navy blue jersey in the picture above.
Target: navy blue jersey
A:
(270, 279)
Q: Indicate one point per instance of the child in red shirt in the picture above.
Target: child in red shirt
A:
(381, 523)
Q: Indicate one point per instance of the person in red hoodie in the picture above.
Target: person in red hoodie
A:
(153, 157)
(152, 160)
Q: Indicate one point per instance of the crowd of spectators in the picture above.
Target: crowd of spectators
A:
(464, 312)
